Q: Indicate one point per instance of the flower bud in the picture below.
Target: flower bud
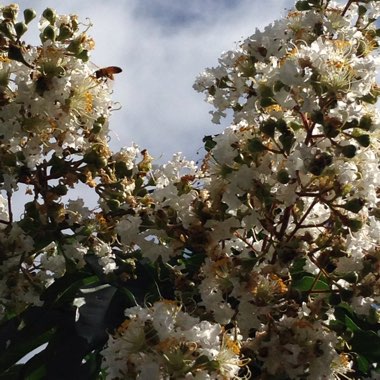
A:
(29, 15)
(354, 205)
(50, 15)
(60, 190)
(83, 55)
(121, 169)
(363, 140)
(283, 176)
(287, 140)
(268, 127)
(349, 151)
(113, 204)
(7, 29)
(76, 46)
(354, 225)
(319, 162)
(365, 123)
(20, 29)
(48, 33)
(303, 6)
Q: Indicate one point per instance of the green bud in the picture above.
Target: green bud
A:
(255, 145)
(113, 204)
(278, 86)
(303, 6)
(295, 126)
(96, 128)
(363, 140)
(365, 123)
(20, 29)
(268, 127)
(20, 156)
(330, 130)
(349, 151)
(346, 295)
(95, 159)
(7, 29)
(83, 55)
(209, 143)
(282, 126)
(212, 90)
(75, 46)
(283, 176)
(354, 205)
(48, 33)
(355, 225)
(351, 277)
(317, 117)
(60, 189)
(29, 15)
(266, 91)
(335, 299)
(319, 162)
(121, 169)
(50, 15)
(266, 102)
(362, 10)
(4, 78)
(370, 98)
(287, 141)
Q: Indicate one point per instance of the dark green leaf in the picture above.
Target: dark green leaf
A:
(305, 284)
(367, 344)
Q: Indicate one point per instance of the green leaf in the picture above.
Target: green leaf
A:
(19, 349)
(367, 344)
(305, 284)
(64, 289)
(92, 322)
(363, 364)
(350, 324)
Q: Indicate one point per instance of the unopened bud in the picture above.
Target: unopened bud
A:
(50, 15)
(20, 29)
(29, 15)
(48, 33)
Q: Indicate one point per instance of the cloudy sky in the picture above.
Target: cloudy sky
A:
(162, 45)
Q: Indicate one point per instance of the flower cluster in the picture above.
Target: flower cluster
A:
(163, 342)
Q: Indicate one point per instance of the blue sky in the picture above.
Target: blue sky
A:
(162, 45)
